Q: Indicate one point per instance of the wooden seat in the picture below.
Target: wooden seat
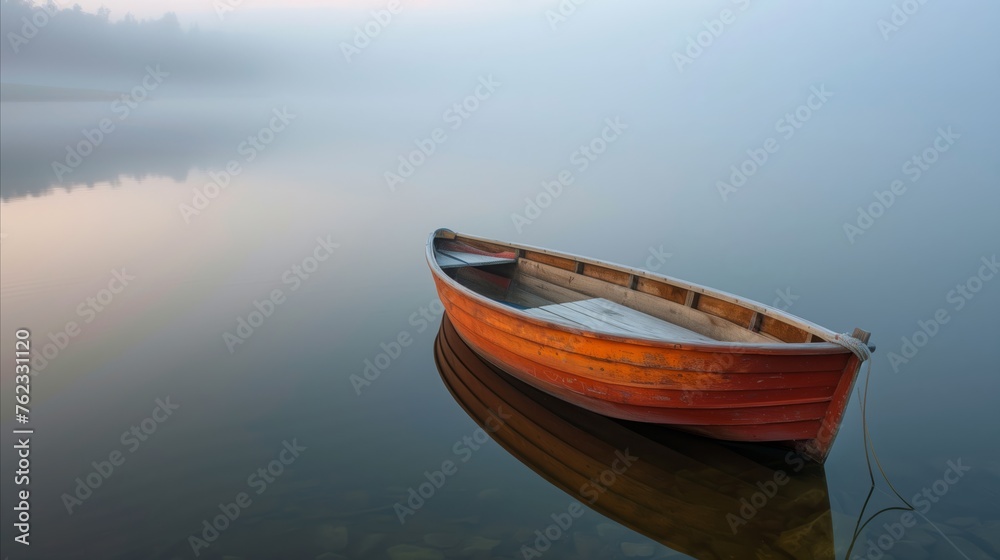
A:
(457, 259)
(599, 314)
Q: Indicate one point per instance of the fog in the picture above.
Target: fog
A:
(701, 88)
(598, 54)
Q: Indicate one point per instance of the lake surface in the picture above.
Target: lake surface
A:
(206, 290)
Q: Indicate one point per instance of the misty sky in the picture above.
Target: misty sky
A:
(199, 9)
(206, 12)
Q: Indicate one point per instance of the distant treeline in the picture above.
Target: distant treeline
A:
(48, 45)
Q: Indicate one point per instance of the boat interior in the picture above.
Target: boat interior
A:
(603, 298)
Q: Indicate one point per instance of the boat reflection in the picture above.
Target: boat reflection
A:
(699, 497)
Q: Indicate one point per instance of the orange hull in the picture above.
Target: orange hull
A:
(784, 392)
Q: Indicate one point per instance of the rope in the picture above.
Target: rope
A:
(864, 353)
(859, 348)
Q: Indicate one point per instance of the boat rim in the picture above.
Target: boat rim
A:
(799, 348)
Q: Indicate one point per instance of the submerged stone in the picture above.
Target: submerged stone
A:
(368, 543)
(442, 540)
(356, 500)
(474, 545)
(608, 530)
(333, 537)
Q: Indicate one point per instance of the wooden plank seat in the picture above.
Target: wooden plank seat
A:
(455, 259)
(602, 315)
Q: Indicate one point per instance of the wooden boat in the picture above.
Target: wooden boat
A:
(700, 497)
(639, 346)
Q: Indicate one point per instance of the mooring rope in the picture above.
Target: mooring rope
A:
(860, 349)
(864, 353)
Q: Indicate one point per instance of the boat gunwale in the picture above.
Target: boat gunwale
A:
(777, 347)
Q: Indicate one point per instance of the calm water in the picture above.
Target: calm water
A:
(368, 442)
(252, 311)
